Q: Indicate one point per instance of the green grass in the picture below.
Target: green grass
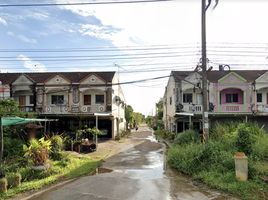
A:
(65, 169)
(121, 141)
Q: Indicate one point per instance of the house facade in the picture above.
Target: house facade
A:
(75, 98)
(233, 95)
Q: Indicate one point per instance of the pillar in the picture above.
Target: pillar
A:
(113, 136)
(80, 99)
(105, 102)
(70, 100)
(255, 100)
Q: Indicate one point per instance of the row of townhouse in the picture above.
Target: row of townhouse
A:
(233, 95)
(74, 98)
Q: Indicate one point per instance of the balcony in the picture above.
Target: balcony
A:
(75, 109)
(27, 108)
(232, 108)
(192, 108)
(92, 108)
(263, 108)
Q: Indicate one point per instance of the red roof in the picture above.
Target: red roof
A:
(41, 77)
(214, 76)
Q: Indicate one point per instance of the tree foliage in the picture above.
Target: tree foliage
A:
(9, 107)
(129, 114)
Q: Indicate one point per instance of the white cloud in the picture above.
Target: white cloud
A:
(22, 37)
(25, 39)
(3, 21)
(101, 32)
(39, 16)
(32, 65)
(10, 33)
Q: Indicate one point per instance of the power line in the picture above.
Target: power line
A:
(82, 4)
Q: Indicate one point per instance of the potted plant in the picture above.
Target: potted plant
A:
(3, 185)
(14, 179)
(38, 152)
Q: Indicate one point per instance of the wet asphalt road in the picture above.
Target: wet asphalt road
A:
(134, 170)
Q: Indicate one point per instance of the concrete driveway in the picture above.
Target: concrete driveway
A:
(134, 170)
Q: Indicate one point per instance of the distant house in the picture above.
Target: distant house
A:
(233, 95)
(72, 97)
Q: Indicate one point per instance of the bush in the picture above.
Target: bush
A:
(155, 128)
(187, 137)
(163, 134)
(245, 139)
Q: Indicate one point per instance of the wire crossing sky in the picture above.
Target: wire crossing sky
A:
(140, 39)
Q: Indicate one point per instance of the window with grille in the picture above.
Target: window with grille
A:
(57, 99)
(187, 98)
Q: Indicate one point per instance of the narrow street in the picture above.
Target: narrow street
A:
(135, 169)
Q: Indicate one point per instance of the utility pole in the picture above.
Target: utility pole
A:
(204, 76)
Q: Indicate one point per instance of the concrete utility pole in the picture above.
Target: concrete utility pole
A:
(204, 76)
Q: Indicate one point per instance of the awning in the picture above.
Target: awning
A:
(7, 121)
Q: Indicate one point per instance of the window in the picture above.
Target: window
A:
(231, 98)
(259, 97)
(31, 99)
(99, 98)
(187, 98)
(87, 99)
(57, 99)
(170, 99)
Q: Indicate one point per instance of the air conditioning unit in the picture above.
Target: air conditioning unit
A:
(85, 109)
(101, 109)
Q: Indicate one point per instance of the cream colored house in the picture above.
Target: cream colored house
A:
(75, 98)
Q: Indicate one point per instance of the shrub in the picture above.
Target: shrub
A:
(163, 134)
(155, 128)
(245, 139)
(187, 137)
(260, 148)
(38, 151)
(14, 179)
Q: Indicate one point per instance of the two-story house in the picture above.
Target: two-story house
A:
(75, 98)
(233, 95)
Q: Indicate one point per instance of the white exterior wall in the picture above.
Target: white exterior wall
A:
(118, 111)
(170, 108)
(27, 97)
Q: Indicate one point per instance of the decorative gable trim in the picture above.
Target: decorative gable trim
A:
(93, 79)
(23, 75)
(263, 78)
(232, 78)
(55, 77)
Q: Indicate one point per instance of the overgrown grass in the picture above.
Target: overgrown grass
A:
(214, 164)
(67, 168)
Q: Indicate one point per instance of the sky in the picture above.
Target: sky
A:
(139, 40)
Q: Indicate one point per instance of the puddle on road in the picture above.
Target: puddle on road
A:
(100, 171)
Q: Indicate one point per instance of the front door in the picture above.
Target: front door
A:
(87, 99)
(22, 100)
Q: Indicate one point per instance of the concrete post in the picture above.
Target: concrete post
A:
(241, 166)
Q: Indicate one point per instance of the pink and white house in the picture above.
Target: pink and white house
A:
(233, 95)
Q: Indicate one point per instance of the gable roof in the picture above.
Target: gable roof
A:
(41, 77)
(214, 76)
(248, 75)
(183, 74)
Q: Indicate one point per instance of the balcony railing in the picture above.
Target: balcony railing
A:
(75, 109)
(27, 108)
(233, 108)
(262, 108)
(192, 108)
